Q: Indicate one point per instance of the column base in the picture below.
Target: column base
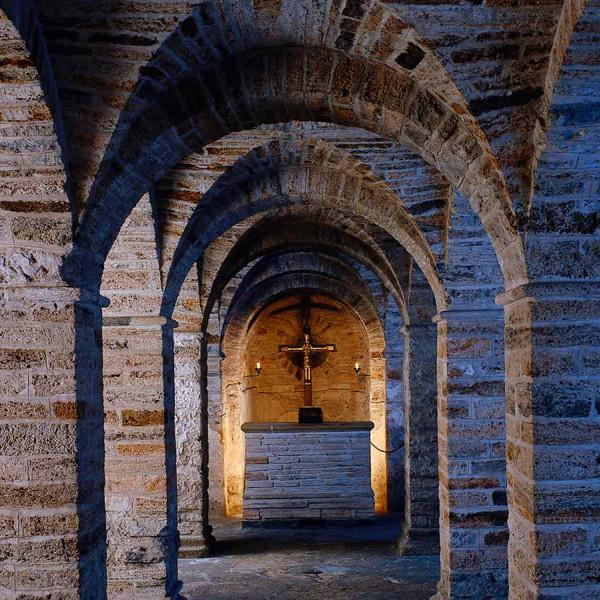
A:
(441, 593)
(419, 542)
(196, 547)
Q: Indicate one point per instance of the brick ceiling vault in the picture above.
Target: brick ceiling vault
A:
(384, 79)
(279, 235)
(109, 111)
(312, 175)
(178, 206)
(319, 274)
(98, 55)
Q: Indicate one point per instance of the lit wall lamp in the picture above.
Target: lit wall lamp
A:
(258, 368)
(357, 368)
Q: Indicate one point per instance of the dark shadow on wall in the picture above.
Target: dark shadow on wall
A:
(170, 534)
(90, 451)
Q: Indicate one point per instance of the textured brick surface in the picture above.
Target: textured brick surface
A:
(307, 475)
(180, 156)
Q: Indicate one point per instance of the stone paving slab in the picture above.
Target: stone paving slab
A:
(312, 564)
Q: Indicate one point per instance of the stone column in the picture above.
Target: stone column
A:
(52, 524)
(140, 457)
(553, 435)
(473, 506)
(190, 418)
(394, 357)
(420, 532)
(374, 381)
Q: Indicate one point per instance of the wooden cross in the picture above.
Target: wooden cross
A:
(307, 349)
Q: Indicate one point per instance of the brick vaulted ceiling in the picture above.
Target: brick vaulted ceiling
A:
(496, 52)
(497, 55)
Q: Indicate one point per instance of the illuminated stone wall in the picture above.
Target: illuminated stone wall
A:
(277, 393)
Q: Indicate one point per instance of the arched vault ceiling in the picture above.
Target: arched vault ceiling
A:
(98, 49)
(232, 68)
(502, 58)
(280, 235)
(419, 187)
(309, 175)
(285, 274)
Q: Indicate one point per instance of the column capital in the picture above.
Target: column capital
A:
(551, 290)
(470, 313)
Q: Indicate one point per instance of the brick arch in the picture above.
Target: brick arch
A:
(335, 223)
(262, 282)
(356, 231)
(277, 237)
(396, 88)
(331, 280)
(264, 181)
(55, 504)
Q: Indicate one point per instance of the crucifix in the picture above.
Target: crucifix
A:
(307, 349)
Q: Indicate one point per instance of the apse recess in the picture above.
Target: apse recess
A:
(277, 393)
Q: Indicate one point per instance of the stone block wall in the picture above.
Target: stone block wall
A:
(296, 472)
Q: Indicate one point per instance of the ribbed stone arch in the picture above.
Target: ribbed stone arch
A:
(331, 280)
(263, 281)
(263, 69)
(299, 221)
(257, 185)
(277, 237)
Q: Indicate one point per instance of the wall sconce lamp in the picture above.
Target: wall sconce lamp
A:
(357, 368)
(258, 368)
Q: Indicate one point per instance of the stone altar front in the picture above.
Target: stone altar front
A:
(297, 472)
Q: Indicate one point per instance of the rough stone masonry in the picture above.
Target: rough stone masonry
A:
(297, 472)
(169, 168)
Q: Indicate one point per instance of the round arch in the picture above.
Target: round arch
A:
(273, 236)
(256, 185)
(398, 90)
(330, 280)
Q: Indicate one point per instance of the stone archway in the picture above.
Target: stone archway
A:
(235, 330)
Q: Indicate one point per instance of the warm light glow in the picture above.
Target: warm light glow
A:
(357, 368)
(258, 368)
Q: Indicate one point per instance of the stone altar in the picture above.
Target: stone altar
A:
(298, 472)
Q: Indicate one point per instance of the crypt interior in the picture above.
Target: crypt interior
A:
(219, 218)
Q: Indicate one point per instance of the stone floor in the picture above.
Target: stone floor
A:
(354, 562)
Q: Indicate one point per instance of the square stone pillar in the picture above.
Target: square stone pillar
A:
(553, 436)
(191, 440)
(473, 506)
(420, 532)
(52, 525)
(140, 457)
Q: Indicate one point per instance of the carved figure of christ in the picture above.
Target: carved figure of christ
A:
(307, 350)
